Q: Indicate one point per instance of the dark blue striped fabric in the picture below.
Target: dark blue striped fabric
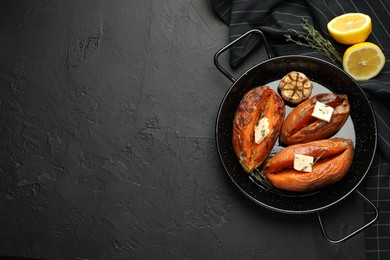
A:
(275, 18)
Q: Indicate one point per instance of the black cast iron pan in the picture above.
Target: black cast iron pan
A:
(360, 127)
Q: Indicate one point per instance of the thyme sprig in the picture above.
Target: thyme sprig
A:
(258, 175)
(323, 152)
(313, 39)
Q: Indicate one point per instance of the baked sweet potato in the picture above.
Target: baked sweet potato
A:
(332, 161)
(300, 126)
(261, 107)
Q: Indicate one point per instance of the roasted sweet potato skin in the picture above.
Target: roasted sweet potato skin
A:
(300, 126)
(333, 160)
(257, 103)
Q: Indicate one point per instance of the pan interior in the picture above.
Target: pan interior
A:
(360, 127)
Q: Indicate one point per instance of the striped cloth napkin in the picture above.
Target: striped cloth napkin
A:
(275, 18)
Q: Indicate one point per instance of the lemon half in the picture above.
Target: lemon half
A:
(363, 61)
(350, 28)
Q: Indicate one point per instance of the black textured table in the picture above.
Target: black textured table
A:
(107, 116)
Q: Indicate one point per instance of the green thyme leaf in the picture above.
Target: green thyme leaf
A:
(313, 39)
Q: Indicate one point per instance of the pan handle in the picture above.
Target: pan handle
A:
(216, 56)
(357, 230)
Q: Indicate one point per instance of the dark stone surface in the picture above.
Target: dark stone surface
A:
(107, 151)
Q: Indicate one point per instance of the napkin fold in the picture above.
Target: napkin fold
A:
(275, 18)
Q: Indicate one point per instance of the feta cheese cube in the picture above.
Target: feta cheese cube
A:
(303, 162)
(322, 111)
(261, 130)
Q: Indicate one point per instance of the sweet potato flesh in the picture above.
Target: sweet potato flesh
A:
(333, 159)
(257, 103)
(300, 126)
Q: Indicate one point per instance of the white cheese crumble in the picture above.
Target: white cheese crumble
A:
(322, 111)
(261, 130)
(303, 162)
